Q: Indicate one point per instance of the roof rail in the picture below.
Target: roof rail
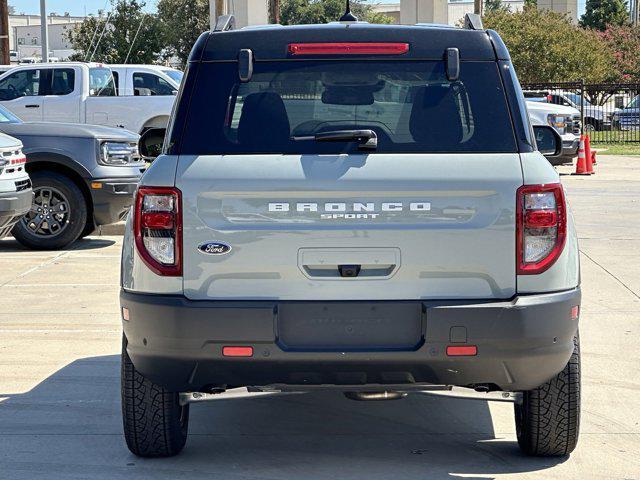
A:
(225, 23)
(473, 21)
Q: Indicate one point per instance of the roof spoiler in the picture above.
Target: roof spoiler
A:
(225, 23)
(473, 21)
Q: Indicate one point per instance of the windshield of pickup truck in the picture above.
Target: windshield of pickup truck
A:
(101, 82)
(175, 75)
(7, 117)
(576, 99)
(410, 105)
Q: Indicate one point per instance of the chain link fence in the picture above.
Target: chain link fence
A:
(610, 112)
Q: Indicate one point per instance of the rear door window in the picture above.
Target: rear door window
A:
(62, 81)
(410, 105)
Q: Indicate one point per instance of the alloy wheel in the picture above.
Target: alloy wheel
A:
(49, 214)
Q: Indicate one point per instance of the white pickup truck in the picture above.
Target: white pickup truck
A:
(89, 93)
(565, 120)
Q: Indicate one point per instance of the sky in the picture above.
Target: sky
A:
(80, 7)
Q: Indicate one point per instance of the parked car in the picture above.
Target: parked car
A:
(83, 177)
(628, 118)
(595, 117)
(79, 93)
(306, 228)
(15, 186)
(154, 80)
(565, 120)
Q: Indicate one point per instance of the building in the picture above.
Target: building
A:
(457, 9)
(24, 33)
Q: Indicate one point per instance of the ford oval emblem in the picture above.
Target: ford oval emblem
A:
(214, 248)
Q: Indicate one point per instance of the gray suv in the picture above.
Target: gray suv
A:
(83, 176)
(354, 207)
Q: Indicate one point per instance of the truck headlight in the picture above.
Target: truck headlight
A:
(118, 153)
(559, 122)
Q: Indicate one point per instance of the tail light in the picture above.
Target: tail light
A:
(541, 227)
(157, 226)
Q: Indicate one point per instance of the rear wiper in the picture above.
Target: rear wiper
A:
(367, 138)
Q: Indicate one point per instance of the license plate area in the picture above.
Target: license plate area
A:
(350, 326)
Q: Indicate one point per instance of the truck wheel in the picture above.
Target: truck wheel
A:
(57, 216)
(548, 421)
(87, 230)
(155, 424)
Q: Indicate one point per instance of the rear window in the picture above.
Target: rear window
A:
(410, 105)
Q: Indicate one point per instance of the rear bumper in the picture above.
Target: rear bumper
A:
(521, 343)
(13, 206)
(112, 200)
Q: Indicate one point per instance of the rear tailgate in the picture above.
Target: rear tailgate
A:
(413, 226)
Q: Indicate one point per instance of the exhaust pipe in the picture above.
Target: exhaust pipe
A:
(374, 396)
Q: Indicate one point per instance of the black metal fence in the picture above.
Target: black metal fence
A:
(610, 112)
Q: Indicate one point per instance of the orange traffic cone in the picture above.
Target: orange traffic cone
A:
(581, 164)
(587, 154)
(593, 158)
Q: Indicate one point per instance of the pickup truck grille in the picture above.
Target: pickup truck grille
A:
(23, 185)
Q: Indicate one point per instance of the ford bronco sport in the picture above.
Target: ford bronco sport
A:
(355, 207)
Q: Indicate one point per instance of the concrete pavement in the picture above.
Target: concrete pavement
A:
(59, 380)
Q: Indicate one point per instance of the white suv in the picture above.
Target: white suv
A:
(15, 186)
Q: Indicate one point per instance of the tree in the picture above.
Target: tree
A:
(182, 26)
(599, 14)
(495, 6)
(126, 34)
(546, 47)
(624, 41)
(294, 12)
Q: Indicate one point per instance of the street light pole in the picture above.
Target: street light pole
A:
(44, 31)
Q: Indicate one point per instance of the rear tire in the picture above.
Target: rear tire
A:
(548, 421)
(155, 424)
(52, 190)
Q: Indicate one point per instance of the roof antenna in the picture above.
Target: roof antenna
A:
(348, 16)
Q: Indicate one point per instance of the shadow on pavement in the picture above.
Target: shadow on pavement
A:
(69, 426)
(11, 245)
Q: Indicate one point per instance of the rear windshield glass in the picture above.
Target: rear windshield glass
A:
(410, 105)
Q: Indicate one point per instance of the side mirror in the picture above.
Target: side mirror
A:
(150, 143)
(548, 141)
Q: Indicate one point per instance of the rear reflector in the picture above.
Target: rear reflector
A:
(575, 312)
(237, 351)
(348, 48)
(462, 350)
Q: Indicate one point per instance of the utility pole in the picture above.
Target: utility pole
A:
(4, 32)
(44, 31)
(274, 11)
(478, 7)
